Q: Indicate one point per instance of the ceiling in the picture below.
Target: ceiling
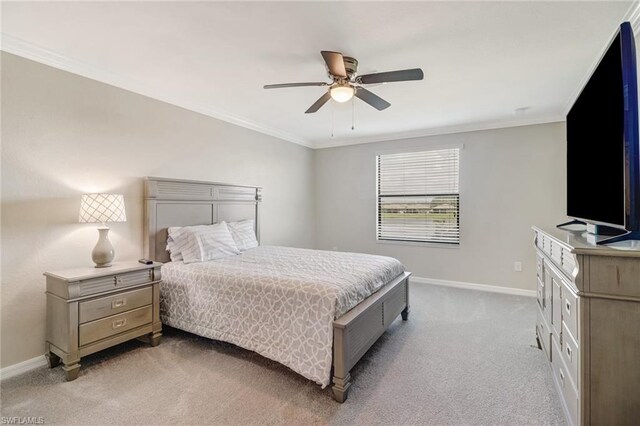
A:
(486, 64)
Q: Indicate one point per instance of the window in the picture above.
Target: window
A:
(418, 196)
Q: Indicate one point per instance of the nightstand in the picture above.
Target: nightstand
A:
(91, 309)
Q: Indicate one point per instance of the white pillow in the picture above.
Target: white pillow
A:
(172, 242)
(204, 243)
(177, 240)
(243, 234)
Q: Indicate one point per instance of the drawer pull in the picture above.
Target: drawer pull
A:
(119, 323)
(118, 303)
(562, 377)
(569, 352)
(117, 281)
(567, 306)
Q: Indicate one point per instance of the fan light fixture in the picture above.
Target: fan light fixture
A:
(342, 93)
(347, 83)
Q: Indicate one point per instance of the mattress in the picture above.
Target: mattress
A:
(277, 301)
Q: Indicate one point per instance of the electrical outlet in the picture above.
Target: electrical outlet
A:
(517, 266)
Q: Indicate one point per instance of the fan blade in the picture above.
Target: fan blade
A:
(278, 86)
(335, 63)
(318, 104)
(391, 76)
(374, 100)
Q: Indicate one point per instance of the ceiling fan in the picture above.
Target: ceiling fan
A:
(343, 70)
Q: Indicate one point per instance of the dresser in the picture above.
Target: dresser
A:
(588, 324)
(91, 309)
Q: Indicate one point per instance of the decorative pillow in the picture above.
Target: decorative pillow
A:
(204, 243)
(243, 234)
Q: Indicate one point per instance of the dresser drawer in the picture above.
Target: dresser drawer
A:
(556, 253)
(570, 354)
(570, 311)
(539, 266)
(567, 389)
(544, 335)
(114, 304)
(114, 282)
(539, 240)
(548, 293)
(556, 304)
(540, 295)
(546, 245)
(115, 324)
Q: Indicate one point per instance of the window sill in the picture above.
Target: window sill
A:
(419, 244)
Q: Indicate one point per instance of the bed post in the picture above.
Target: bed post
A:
(341, 376)
(405, 311)
(358, 329)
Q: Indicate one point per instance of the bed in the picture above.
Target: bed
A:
(317, 312)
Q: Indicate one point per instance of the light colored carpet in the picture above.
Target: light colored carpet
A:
(464, 357)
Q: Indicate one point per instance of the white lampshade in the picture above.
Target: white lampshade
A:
(342, 93)
(102, 208)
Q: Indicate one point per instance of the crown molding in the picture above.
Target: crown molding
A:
(633, 16)
(437, 131)
(22, 48)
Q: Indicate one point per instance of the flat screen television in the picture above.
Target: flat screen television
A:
(603, 146)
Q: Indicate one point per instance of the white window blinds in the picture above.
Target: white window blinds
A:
(419, 197)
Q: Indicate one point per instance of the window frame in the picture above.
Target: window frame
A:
(434, 244)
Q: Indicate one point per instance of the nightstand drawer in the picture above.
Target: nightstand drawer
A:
(114, 282)
(114, 304)
(115, 324)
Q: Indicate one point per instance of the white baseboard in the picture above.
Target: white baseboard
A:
(40, 361)
(22, 367)
(474, 286)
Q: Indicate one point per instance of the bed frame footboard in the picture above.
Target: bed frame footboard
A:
(356, 331)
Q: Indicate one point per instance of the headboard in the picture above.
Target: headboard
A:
(176, 202)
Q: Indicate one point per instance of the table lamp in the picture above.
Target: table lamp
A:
(102, 208)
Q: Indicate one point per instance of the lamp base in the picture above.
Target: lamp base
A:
(103, 252)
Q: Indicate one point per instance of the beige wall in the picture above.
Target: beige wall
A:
(63, 135)
(510, 179)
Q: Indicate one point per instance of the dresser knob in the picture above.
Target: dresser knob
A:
(119, 323)
(118, 303)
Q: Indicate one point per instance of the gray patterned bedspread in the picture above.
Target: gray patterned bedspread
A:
(277, 301)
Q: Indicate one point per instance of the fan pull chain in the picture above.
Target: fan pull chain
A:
(353, 113)
(332, 123)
